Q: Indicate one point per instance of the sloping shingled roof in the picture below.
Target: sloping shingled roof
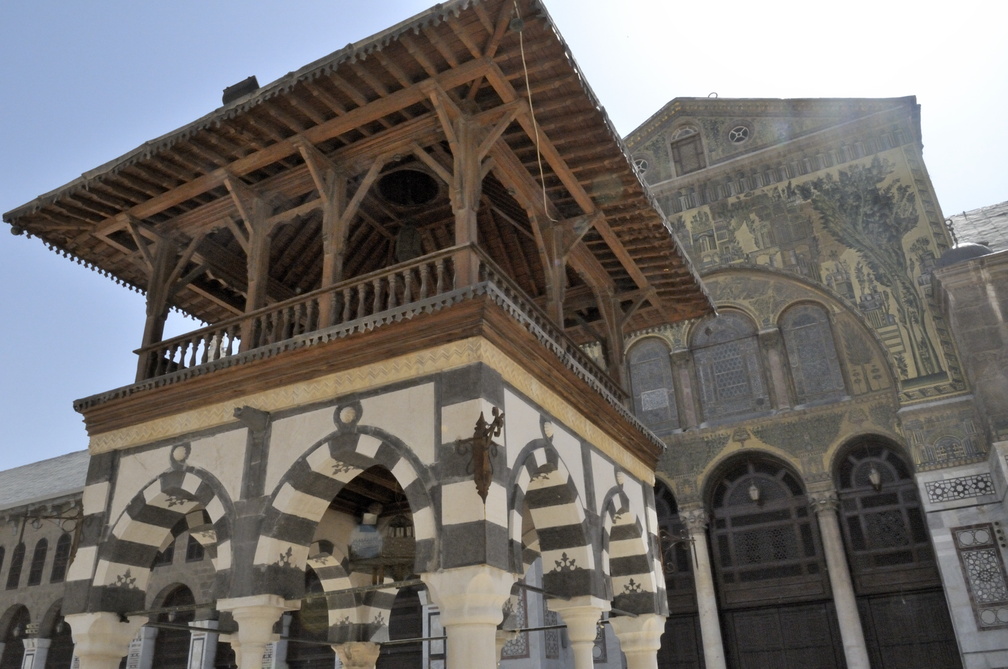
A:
(45, 480)
(986, 225)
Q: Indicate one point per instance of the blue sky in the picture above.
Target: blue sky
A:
(81, 83)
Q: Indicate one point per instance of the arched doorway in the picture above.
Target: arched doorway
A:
(171, 645)
(771, 576)
(682, 646)
(61, 645)
(893, 569)
(13, 652)
(308, 633)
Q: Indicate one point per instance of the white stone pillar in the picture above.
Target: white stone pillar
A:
(825, 505)
(255, 615)
(143, 644)
(703, 578)
(639, 638)
(35, 651)
(101, 639)
(471, 601)
(203, 644)
(581, 615)
(358, 654)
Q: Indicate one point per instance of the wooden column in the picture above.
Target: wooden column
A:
(255, 239)
(470, 134)
(158, 290)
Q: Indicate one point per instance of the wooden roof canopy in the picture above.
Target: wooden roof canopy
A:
(372, 109)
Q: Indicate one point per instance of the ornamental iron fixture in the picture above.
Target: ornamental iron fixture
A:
(669, 541)
(482, 451)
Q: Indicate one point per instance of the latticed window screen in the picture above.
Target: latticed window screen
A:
(882, 518)
(651, 380)
(728, 367)
(687, 151)
(815, 367)
(762, 535)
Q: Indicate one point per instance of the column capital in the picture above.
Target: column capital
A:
(255, 615)
(640, 639)
(101, 639)
(358, 654)
(581, 615)
(474, 594)
(695, 518)
(823, 501)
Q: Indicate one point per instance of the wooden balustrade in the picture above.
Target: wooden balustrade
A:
(412, 285)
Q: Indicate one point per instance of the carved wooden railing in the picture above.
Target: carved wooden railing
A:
(363, 303)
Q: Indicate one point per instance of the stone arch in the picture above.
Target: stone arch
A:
(627, 558)
(541, 480)
(352, 616)
(15, 613)
(843, 449)
(50, 618)
(717, 467)
(186, 499)
(867, 363)
(649, 367)
(303, 494)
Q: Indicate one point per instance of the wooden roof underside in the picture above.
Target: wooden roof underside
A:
(369, 109)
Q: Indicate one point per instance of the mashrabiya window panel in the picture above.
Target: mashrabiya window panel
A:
(811, 351)
(651, 381)
(728, 367)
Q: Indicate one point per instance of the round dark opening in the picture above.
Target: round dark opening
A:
(408, 188)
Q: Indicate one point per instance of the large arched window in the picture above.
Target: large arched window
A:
(728, 367)
(38, 562)
(765, 546)
(883, 520)
(811, 351)
(17, 561)
(651, 382)
(61, 559)
(903, 610)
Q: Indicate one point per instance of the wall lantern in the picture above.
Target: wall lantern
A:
(875, 478)
(754, 493)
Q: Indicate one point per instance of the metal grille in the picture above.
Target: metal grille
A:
(766, 548)
(729, 368)
(882, 521)
(812, 352)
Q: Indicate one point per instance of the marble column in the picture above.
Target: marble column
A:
(696, 520)
(639, 638)
(101, 639)
(471, 601)
(358, 654)
(255, 615)
(825, 505)
(581, 615)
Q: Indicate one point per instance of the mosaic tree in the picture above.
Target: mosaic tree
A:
(859, 210)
